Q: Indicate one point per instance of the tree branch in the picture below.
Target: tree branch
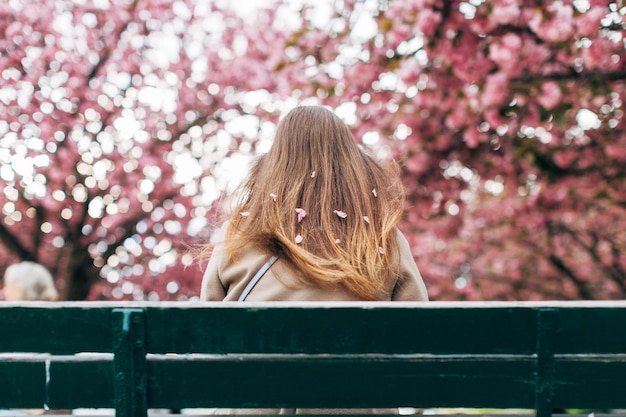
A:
(573, 75)
(613, 271)
(583, 289)
(12, 243)
(106, 54)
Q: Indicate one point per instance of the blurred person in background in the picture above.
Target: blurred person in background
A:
(29, 281)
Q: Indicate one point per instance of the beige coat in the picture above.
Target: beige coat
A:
(225, 281)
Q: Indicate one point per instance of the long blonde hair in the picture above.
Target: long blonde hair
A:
(320, 202)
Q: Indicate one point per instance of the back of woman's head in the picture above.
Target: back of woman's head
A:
(318, 200)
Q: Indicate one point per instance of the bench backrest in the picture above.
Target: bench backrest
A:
(185, 355)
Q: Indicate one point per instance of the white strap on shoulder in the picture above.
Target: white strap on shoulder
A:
(257, 277)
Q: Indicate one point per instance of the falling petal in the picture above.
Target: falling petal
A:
(298, 239)
(313, 174)
(245, 213)
(340, 214)
(381, 250)
(367, 219)
(273, 196)
(301, 213)
(374, 192)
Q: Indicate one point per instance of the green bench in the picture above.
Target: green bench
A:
(540, 356)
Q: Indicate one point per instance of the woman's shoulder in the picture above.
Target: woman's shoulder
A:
(220, 235)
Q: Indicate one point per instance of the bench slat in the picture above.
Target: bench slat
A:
(219, 382)
(597, 384)
(59, 331)
(591, 330)
(383, 330)
(308, 382)
(22, 384)
(341, 330)
(217, 328)
(305, 382)
(81, 384)
(69, 383)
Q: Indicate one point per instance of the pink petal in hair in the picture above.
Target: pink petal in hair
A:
(298, 239)
(340, 214)
(367, 219)
(313, 174)
(301, 214)
(273, 196)
(374, 192)
(337, 241)
(245, 213)
(381, 250)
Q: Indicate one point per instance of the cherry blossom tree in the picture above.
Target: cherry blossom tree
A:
(508, 117)
(120, 120)
(113, 122)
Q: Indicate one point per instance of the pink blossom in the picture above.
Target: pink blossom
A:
(505, 12)
(473, 137)
(361, 75)
(14, 29)
(313, 39)
(505, 53)
(616, 151)
(599, 55)
(550, 95)
(565, 158)
(408, 72)
(494, 118)
(427, 21)
(418, 163)
(558, 27)
(397, 34)
(457, 119)
(532, 115)
(496, 90)
(594, 3)
(589, 22)
(301, 214)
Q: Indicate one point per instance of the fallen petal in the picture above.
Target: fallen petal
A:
(340, 214)
(381, 250)
(273, 196)
(301, 214)
(374, 192)
(367, 219)
(298, 239)
(245, 213)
